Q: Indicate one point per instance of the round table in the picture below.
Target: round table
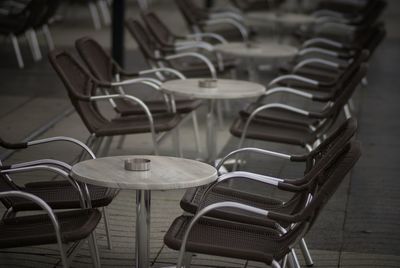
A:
(165, 173)
(225, 89)
(269, 52)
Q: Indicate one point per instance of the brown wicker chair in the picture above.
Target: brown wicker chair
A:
(205, 235)
(157, 58)
(201, 20)
(82, 88)
(295, 126)
(169, 42)
(50, 228)
(60, 194)
(195, 199)
(105, 69)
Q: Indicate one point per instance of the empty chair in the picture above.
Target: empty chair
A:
(156, 58)
(270, 245)
(221, 191)
(199, 20)
(58, 194)
(168, 42)
(294, 126)
(82, 89)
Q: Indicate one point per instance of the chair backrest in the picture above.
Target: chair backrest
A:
(6, 184)
(329, 179)
(158, 28)
(344, 94)
(100, 64)
(80, 86)
(145, 42)
(316, 161)
(191, 13)
(48, 11)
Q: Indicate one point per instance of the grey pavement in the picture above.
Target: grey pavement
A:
(359, 227)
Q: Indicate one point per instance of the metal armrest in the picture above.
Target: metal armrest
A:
(240, 27)
(198, 56)
(253, 150)
(324, 62)
(309, 50)
(215, 36)
(135, 81)
(188, 44)
(270, 106)
(325, 41)
(295, 77)
(220, 205)
(84, 202)
(135, 100)
(226, 15)
(165, 70)
(327, 12)
(57, 163)
(38, 201)
(62, 138)
(290, 91)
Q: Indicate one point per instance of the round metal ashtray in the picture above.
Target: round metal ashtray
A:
(137, 164)
(208, 83)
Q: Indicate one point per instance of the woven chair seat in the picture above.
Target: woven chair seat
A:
(137, 124)
(183, 106)
(276, 114)
(227, 239)
(191, 199)
(274, 131)
(38, 229)
(62, 195)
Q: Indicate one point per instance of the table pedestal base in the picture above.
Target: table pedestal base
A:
(142, 252)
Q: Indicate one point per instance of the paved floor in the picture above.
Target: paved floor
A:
(359, 228)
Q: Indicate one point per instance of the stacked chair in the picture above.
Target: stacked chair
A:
(19, 18)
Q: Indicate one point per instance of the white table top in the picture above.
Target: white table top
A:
(288, 19)
(267, 50)
(166, 173)
(226, 89)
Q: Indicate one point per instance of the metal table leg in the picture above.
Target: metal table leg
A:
(143, 198)
(211, 133)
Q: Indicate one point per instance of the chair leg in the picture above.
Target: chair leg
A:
(105, 13)
(196, 133)
(121, 141)
(63, 254)
(275, 264)
(34, 44)
(97, 145)
(89, 143)
(48, 37)
(94, 251)
(107, 226)
(292, 260)
(306, 253)
(220, 114)
(107, 146)
(347, 111)
(95, 15)
(17, 51)
(176, 142)
(187, 260)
